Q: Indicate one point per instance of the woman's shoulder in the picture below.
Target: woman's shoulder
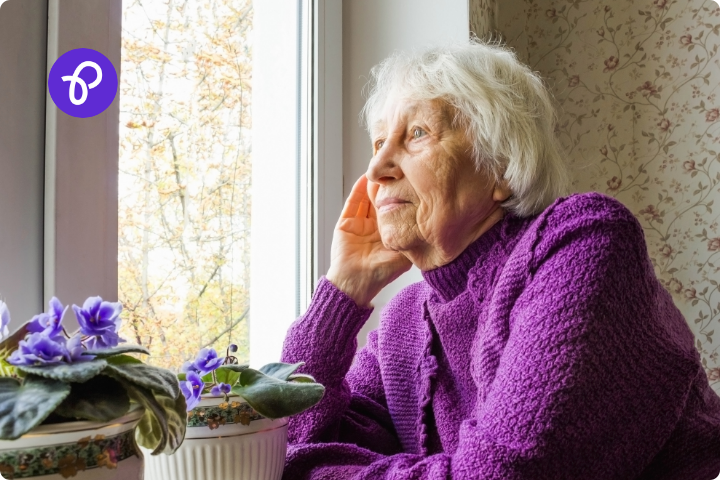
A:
(579, 217)
(586, 206)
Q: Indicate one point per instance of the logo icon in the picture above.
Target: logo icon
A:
(75, 78)
(83, 83)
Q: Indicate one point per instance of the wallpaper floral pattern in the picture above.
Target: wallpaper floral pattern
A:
(637, 86)
(482, 17)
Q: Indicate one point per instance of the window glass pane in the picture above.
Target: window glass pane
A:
(185, 176)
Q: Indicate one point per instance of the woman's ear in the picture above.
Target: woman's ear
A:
(502, 191)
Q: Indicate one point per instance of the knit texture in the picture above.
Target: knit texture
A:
(547, 350)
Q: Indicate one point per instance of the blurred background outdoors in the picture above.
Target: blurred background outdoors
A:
(185, 171)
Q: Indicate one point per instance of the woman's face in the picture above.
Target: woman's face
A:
(431, 202)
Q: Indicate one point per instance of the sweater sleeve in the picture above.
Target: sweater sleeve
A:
(353, 409)
(587, 379)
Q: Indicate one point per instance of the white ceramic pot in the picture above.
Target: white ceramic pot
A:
(81, 450)
(224, 441)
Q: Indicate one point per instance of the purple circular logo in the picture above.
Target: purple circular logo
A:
(83, 82)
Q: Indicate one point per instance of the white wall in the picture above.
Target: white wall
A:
(372, 29)
(22, 140)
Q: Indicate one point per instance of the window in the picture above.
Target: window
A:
(213, 174)
(287, 132)
(185, 176)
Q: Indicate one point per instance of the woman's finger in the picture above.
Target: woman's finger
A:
(372, 189)
(358, 194)
(372, 213)
(363, 209)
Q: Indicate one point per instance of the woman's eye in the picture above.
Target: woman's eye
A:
(418, 132)
(379, 144)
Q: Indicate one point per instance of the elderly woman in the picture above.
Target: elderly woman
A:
(540, 344)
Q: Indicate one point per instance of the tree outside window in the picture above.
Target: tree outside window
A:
(185, 172)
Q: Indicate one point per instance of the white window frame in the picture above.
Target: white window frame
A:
(81, 162)
(315, 154)
(23, 39)
(328, 130)
(81, 168)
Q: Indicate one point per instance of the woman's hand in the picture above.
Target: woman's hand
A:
(360, 265)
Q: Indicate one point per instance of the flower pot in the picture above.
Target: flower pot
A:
(224, 441)
(82, 450)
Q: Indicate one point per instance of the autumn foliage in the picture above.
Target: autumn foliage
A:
(185, 172)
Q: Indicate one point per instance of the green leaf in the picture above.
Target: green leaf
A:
(122, 360)
(227, 375)
(22, 407)
(235, 367)
(150, 433)
(281, 371)
(176, 417)
(301, 377)
(6, 369)
(7, 346)
(162, 427)
(208, 377)
(68, 372)
(10, 344)
(156, 379)
(100, 399)
(275, 398)
(109, 352)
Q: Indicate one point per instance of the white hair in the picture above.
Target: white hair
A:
(507, 112)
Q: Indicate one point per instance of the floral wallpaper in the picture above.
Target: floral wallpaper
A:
(482, 17)
(637, 85)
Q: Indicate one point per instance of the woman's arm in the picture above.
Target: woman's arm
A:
(589, 383)
(353, 409)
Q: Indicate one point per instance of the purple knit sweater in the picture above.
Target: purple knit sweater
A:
(547, 350)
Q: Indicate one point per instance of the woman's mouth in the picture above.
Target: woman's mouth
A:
(391, 203)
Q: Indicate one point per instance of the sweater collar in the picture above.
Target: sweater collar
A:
(450, 280)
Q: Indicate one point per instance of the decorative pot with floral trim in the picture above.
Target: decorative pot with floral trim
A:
(82, 450)
(73, 405)
(236, 419)
(225, 439)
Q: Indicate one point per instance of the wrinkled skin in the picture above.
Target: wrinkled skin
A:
(422, 201)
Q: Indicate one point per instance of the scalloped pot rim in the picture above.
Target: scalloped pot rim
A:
(71, 432)
(225, 425)
(210, 400)
(134, 414)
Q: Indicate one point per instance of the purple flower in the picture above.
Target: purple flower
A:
(206, 361)
(100, 321)
(49, 322)
(191, 388)
(188, 367)
(220, 388)
(4, 320)
(39, 349)
(75, 350)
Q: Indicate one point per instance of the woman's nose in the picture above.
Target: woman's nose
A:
(384, 167)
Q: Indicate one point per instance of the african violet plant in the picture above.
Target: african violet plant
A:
(274, 391)
(49, 376)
